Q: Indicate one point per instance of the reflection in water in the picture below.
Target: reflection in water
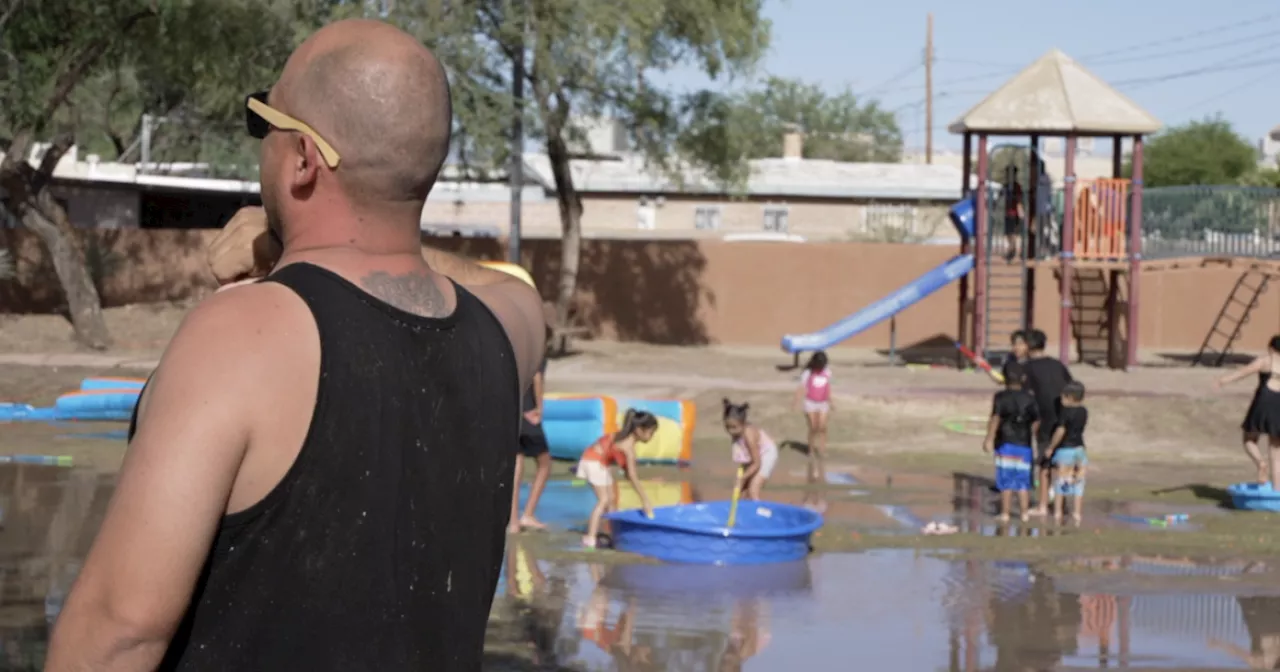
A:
(884, 610)
(890, 610)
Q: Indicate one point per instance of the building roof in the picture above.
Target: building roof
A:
(773, 178)
(1275, 133)
(778, 178)
(1055, 95)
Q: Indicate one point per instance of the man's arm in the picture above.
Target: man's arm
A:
(178, 473)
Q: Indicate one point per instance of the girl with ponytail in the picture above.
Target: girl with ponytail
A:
(753, 450)
(610, 450)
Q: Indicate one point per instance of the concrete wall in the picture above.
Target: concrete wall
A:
(685, 291)
(814, 219)
(111, 207)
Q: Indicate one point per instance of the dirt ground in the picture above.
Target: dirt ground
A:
(1159, 440)
(1149, 424)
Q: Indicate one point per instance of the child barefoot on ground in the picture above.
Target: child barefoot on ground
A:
(1067, 450)
(615, 449)
(815, 392)
(1014, 420)
(753, 450)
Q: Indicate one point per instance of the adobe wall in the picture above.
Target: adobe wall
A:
(685, 292)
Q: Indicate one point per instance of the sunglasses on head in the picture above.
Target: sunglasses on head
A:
(260, 118)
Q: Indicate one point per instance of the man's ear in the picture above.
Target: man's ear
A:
(306, 161)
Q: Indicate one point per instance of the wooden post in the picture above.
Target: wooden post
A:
(1135, 252)
(928, 92)
(1068, 246)
(962, 331)
(980, 252)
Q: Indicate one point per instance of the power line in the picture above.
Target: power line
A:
(1209, 69)
(907, 72)
(1266, 76)
(1182, 38)
(1182, 52)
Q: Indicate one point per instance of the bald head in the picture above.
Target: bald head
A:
(381, 99)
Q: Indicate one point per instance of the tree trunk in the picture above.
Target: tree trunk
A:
(30, 201)
(570, 224)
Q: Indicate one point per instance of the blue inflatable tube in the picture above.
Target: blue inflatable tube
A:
(95, 384)
(572, 425)
(25, 413)
(881, 310)
(97, 405)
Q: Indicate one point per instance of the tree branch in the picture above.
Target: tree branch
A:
(9, 12)
(62, 143)
(80, 65)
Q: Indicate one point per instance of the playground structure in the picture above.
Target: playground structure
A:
(1101, 228)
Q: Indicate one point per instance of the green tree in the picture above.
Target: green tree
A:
(85, 71)
(1198, 152)
(580, 59)
(723, 131)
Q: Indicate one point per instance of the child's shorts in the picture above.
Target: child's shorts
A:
(1013, 467)
(594, 473)
(1069, 457)
(811, 406)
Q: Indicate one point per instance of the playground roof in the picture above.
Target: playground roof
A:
(1056, 96)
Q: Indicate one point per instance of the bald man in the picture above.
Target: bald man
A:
(319, 472)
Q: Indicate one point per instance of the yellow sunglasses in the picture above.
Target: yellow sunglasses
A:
(260, 118)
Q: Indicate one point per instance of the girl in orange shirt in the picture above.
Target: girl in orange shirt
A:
(609, 450)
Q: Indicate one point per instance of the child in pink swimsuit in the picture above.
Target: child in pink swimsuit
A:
(753, 450)
(815, 392)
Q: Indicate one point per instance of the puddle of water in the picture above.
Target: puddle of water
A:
(884, 610)
(891, 610)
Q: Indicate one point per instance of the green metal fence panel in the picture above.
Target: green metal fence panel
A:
(1210, 221)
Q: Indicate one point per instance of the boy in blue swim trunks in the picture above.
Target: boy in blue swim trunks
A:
(1067, 449)
(1014, 421)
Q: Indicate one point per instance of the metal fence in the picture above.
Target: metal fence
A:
(1210, 221)
(1190, 221)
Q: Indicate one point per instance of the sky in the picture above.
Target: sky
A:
(1150, 50)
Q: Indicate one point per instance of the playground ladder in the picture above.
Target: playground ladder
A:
(1090, 315)
(1005, 295)
(1233, 316)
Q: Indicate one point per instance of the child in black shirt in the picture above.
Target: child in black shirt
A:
(1045, 379)
(1067, 449)
(1014, 421)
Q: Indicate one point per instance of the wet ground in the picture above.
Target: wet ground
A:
(1122, 590)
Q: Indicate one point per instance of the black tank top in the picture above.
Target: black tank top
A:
(381, 547)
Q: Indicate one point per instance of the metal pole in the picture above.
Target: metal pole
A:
(980, 252)
(1135, 252)
(966, 165)
(893, 340)
(146, 140)
(1068, 247)
(516, 172)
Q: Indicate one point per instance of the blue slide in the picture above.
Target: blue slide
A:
(962, 214)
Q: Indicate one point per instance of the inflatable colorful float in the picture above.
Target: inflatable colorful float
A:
(573, 422)
(98, 399)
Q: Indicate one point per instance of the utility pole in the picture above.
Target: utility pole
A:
(516, 173)
(928, 91)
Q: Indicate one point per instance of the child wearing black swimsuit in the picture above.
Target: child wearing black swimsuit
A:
(1263, 416)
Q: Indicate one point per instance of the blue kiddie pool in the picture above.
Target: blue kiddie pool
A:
(1254, 497)
(697, 533)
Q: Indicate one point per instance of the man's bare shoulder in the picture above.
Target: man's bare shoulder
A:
(241, 320)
